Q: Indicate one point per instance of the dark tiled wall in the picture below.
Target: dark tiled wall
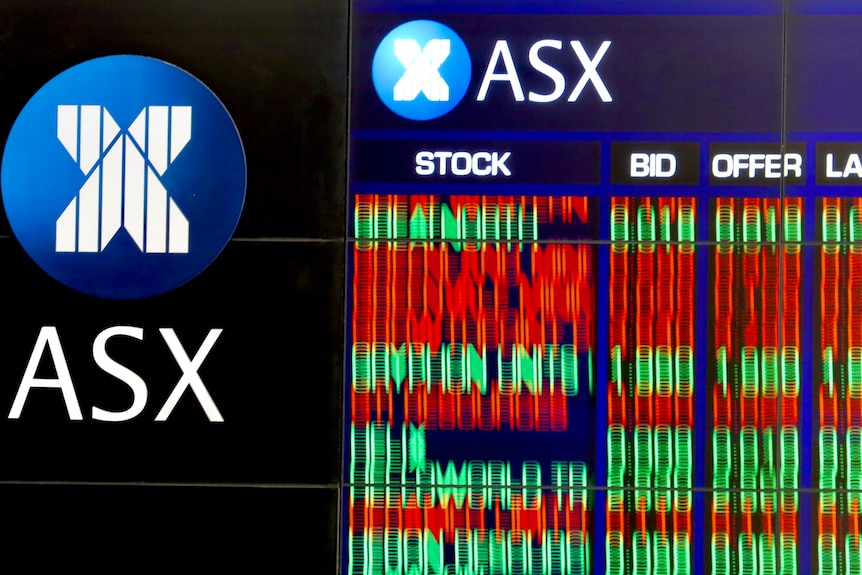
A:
(258, 492)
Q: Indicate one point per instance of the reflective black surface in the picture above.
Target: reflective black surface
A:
(274, 373)
(134, 529)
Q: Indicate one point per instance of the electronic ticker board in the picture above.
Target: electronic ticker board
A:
(603, 307)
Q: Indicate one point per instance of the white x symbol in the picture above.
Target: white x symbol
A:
(190, 377)
(422, 70)
(123, 189)
(591, 74)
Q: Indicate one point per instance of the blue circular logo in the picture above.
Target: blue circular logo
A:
(421, 70)
(123, 177)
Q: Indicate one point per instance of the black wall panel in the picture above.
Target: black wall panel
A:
(258, 491)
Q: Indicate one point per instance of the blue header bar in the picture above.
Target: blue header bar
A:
(621, 7)
(825, 7)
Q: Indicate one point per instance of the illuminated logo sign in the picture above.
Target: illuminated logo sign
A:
(502, 57)
(135, 200)
(123, 177)
(421, 70)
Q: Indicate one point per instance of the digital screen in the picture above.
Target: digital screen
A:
(603, 304)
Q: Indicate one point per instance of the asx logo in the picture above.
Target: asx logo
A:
(422, 70)
(123, 189)
(123, 213)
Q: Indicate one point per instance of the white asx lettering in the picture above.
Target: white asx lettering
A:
(49, 340)
(503, 54)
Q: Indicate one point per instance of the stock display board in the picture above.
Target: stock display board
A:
(603, 306)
